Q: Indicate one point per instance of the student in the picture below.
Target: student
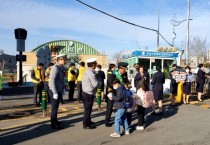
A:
(173, 85)
(157, 82)
(120, 118)
(187, 85)
(142, 88)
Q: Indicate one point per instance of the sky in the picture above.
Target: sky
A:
(49, 20)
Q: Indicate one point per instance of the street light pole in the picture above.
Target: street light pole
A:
(188, 29)
(174, 22)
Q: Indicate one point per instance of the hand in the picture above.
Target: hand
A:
(55, 96)
(109, 96)
(64, 91)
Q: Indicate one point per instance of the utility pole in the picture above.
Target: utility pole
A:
(188, 29)
(158, 38)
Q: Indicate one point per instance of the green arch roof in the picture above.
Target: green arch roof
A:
(76, 48)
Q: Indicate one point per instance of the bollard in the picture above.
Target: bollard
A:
(99, 99)
(44, 102)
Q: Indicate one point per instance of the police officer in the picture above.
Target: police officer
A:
(80, 73)
(71, 80)
(37, 75)
(47, 78)
(89, 84)
(109, 89)
(56, 88)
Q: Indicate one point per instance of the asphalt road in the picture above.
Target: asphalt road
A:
(22, 123)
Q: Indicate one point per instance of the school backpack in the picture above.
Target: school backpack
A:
(128, 100)
(147, 99)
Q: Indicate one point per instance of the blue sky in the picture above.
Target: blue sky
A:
(51, 20)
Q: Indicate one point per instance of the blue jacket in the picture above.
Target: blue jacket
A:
(119, 98)
(158, 81)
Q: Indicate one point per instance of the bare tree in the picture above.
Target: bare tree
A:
(117, 57)
(198, 49)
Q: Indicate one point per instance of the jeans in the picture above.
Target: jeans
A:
(120, 119)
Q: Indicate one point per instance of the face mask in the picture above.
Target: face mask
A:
(115, 87)
(187, 70)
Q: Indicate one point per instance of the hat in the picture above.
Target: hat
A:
(136, 65)
(91, 60)
(123, 65)
(61, 56)
(174, 65)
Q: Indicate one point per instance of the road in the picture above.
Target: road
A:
(22, 123)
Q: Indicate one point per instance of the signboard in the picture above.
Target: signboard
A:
(20, 57)
(154, 54)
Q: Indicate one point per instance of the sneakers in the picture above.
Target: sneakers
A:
(127, 132)
(139, 127)
(115, 135)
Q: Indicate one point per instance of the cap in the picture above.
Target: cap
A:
(174, 65)
(91, 60)
(123, 65)
(61, 56)
(136, 65)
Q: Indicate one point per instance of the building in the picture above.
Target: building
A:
(76, 52)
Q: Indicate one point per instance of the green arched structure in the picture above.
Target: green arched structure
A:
(69, 47)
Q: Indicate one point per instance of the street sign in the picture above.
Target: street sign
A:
(20, 57)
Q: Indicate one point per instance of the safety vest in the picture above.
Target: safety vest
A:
(37, 75)
(47, 74)
(71, 77)
(81, 72)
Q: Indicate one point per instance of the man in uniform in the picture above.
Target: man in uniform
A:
(47, 78)
(89, 84)
(56, 88)
(121, 75)
(71, 80)
(37, 75)
(80, 73)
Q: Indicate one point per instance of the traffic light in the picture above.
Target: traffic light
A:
(20, 33)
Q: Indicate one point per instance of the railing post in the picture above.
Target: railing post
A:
(44, 102)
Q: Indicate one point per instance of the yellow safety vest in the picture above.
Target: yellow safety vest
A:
(81, 72)
(47, 74)
(70, 76)
(37, 75)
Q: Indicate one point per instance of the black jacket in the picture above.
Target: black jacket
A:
(101, 76)
(138, 77)
(201, 77)
(158, 81)
(119, 98)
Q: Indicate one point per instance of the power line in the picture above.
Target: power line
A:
(123, 20)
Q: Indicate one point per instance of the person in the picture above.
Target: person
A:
(122, 76)
(119, 106)
(142, 88)
(187, 84)
(79, 77)
(89, 84)
(109, 89)
(142, 74)
(71, 81)
(137, 67)
(37, 76)
(46, 83)
(200, 81)
(173, 85)
(101, 77)
(157, 88)
(56, 88)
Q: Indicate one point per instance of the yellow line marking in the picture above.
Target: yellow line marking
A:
(205, 106)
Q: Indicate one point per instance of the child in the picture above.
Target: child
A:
(142, 89)
(120, 118)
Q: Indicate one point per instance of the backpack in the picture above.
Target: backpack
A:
(128, 100)
(147, 99)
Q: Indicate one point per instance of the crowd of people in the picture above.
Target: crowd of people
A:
(88, 79)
